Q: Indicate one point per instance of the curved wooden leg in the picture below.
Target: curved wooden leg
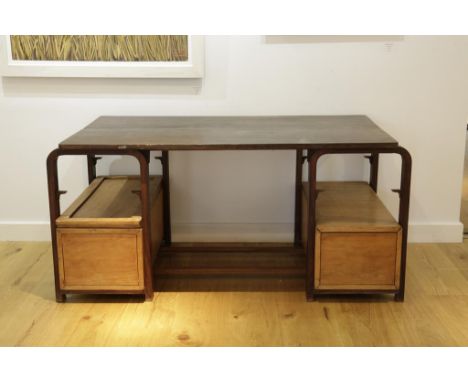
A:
(54, 213)
(310, 255)
(403, 215)
(374, 170)
(143, 159)
(298, 200)
(166, 198)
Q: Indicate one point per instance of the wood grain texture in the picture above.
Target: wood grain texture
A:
(99, 237)
(345, 206)
(357, 260)
(82, 198)
(108, 202)
(357, 241)
(100, 259)
(195, 132)
(213, 311)
(241, 260)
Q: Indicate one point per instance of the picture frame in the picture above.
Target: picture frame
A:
(192, 68)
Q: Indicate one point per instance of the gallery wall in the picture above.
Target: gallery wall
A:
(413, 87)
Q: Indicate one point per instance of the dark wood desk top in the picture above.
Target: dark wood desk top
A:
(212, 133)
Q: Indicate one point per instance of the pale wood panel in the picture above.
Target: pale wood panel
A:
(435, 311)
(132, 222)
(115, 198)
(109, 202)
(100, 259)
(356, 260)
(398, 258)
(82, 198)
(344, 206)
(99, 238)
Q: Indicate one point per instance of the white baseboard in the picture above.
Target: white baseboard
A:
(227, 232)
(249, 232)
(435, 233)
(24, 231)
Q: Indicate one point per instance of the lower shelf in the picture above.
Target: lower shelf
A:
(230, 259)
(233, 267)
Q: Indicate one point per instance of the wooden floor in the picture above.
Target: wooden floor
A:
(232, 312)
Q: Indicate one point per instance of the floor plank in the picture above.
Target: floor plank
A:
(235, 311)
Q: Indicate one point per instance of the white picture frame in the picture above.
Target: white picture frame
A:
(193, 68)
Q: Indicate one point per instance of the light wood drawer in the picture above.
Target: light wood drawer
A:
(99, 237)
(100, 259)
(357, 241)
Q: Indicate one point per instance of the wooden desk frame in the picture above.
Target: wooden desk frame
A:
(403, 213)
(312, 157)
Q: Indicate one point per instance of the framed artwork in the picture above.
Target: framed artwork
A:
(124, 56)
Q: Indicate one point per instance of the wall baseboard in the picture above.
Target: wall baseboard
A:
(435, 233)
(24, 231)
(238, 232)
(249, 232)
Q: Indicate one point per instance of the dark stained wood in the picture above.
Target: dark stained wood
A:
(92, 160)
(237, 247)
(54, 213)
(298, 200)
(143, 160)
(214, 133)
(403, 215)
(312, 159)
(198, 259)
(241, 271)
(167, 198)
(374, 171)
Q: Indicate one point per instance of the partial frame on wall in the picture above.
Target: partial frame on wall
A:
(193, 67)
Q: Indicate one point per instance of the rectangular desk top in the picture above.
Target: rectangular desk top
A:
(230, 133)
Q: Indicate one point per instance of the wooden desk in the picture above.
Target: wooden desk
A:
(319, 135)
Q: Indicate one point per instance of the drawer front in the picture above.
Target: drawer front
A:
(357, 260)
(100, 259)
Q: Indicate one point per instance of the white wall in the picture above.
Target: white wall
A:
(416, 88)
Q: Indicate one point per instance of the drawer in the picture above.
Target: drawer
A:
(357, 241)
(100, 236)
(103, 259)
(357, 260)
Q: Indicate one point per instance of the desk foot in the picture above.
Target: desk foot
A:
(149, 296)
(399, 297)
(59, 297)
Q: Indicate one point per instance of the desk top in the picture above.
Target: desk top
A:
(230, 133)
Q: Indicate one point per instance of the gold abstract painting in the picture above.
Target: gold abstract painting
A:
(96, 48)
